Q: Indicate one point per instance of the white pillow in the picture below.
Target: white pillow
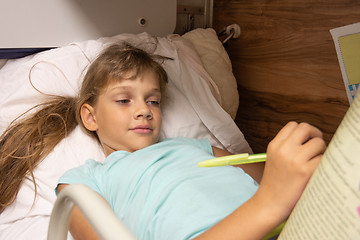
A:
(192, 111)
(217, 63)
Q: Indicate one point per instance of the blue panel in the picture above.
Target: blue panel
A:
(11, 53)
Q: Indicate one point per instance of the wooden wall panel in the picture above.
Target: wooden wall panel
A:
(285, 63)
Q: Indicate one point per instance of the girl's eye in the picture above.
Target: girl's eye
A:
(123, 101)
(153, 102)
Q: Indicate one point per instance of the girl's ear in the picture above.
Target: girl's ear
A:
(88, 117)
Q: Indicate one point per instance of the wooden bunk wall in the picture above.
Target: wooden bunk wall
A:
(285, 63)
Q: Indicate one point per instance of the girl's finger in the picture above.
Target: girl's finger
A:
(303, 133)
(313, 148)
(286, 131)
(314, 163)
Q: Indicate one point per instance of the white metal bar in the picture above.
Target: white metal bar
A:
(94, 207)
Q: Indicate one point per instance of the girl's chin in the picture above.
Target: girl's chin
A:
(143, 143)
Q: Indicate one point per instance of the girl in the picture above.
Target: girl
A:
(156, 188)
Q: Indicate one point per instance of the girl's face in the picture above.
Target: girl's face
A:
(127, 115)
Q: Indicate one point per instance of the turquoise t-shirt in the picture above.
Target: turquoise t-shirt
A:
(160, 193)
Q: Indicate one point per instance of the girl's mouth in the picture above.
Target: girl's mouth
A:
(142, 129)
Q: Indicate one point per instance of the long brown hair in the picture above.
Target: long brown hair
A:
(28, 140)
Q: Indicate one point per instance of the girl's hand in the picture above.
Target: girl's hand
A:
(292, 157)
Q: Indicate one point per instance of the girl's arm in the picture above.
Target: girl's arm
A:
(79, 227)
(292, 157)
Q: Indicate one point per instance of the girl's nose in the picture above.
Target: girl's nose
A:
(143, 111)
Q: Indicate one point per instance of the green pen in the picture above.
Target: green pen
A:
(236, 159)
